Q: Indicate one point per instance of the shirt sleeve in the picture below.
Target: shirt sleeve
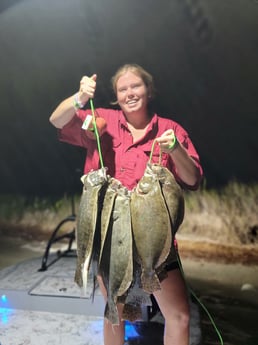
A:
(72, 133)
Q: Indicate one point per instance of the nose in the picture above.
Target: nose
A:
(130, 93)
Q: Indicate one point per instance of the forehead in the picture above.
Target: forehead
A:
(127, 78)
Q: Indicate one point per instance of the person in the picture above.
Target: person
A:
(126, 146)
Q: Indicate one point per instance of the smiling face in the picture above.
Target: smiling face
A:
(132, 93)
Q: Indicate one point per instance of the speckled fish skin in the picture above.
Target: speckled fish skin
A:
(87, 216)
(151, 229)
(172, 192)
(116, 266)
(135, 297)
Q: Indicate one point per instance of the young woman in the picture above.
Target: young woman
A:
(126, 146)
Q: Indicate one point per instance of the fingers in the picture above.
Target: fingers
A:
(167, 133)
(167, 140)
(166, 137)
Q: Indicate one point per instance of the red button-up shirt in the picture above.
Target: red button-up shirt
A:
(126, 160)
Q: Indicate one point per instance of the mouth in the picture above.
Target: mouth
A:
(132, 102)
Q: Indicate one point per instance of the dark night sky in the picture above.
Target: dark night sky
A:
(202, 53)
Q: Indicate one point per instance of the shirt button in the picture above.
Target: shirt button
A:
(122, 169)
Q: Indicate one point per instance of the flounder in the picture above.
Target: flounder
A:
(116, 261)
(107, 210)
(172, 192)
(88, 213)
(151, 228)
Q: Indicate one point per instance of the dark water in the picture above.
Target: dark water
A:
(236, 318)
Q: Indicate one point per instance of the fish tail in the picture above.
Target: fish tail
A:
(150, 281)
(111, 313)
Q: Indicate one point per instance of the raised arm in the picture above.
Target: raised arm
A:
(65, 111)
(186, 167)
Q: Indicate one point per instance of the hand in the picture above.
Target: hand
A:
(87, 88)
(167, 141)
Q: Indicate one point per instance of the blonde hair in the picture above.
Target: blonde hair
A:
(140, 72)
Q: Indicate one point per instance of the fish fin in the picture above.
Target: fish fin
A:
(111, 313)
(83, 177)
(95, 285)
(85, 269)
(150, 281)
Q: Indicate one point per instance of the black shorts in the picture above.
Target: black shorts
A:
(172, 266)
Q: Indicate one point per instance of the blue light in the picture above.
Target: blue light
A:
(5, 310)
(4, 302)
(5, 314)
(4, 298)
(130, 331)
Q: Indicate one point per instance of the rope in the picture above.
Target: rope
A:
(96, 132)
(152, 150)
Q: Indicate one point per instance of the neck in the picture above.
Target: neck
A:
(138, 121)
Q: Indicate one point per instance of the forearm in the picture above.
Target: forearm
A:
(63, 113)
(186, 167)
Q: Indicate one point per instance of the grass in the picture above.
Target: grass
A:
(228, 215)
(34, 218)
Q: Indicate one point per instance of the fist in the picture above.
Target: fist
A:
(167, 141)
(87, 88)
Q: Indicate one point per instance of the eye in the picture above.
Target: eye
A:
(136, 86)
(122, 89)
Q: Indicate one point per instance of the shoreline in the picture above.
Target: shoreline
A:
(245, 254)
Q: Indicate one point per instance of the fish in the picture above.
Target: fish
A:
(151, 228)
(94, 184)
(116, 262)
(107, 209)
(172, 193)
